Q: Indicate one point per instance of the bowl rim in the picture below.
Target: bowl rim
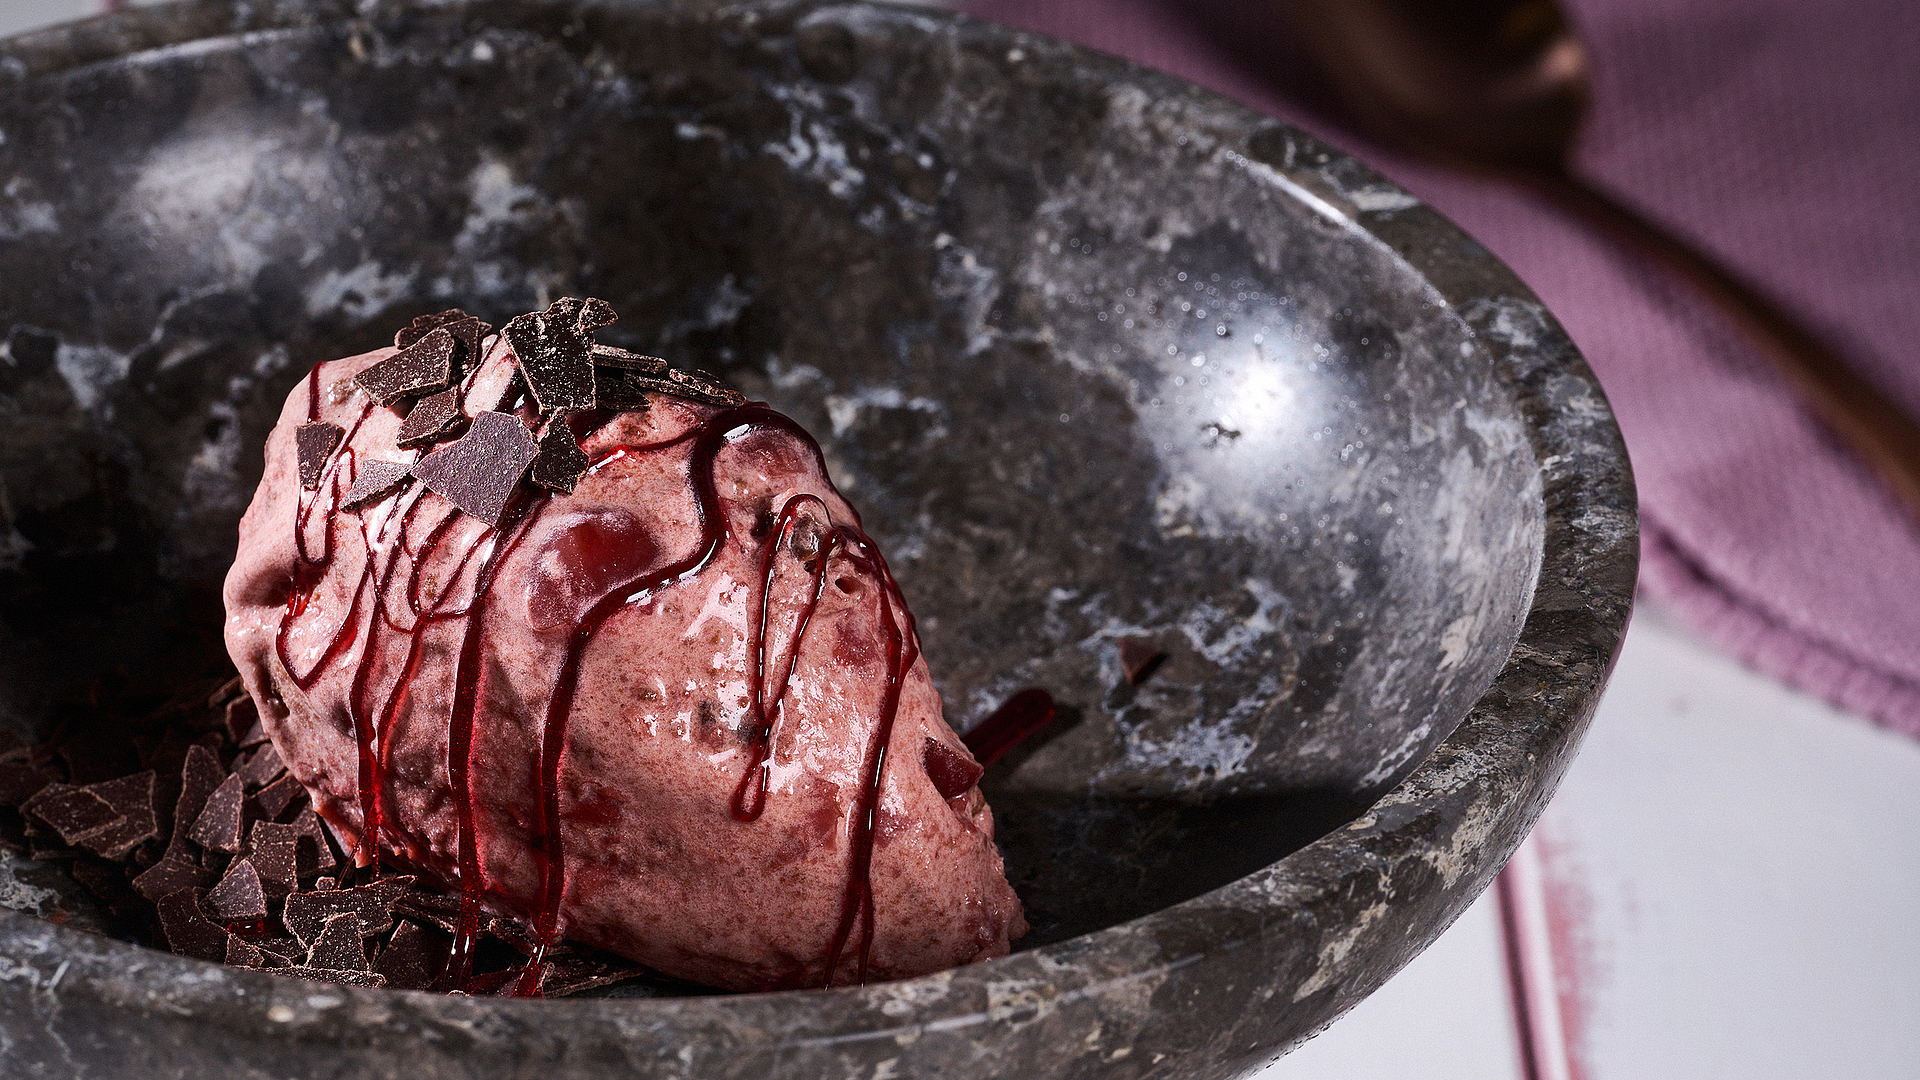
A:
(1472, 799)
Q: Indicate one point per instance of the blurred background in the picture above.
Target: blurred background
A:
(1728, 882)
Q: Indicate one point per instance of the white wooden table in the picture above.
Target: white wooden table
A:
(1727, 885)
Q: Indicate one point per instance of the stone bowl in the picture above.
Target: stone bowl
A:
(1100, 356)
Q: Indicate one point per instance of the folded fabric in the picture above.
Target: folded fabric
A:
(1783, 138)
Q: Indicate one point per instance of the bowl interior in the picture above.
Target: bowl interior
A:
(1072, 414)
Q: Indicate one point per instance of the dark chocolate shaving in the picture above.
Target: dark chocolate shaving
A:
(1138, 658)
(277, 796)
(594, 314)
(243, 954)
(342, 978)
(623, 388)
(554, 354)
(414, 957)
(218, 826)
(272, 850)
(313, 445)
(422, 367)
(187, 931)
(610, 356)
(430, 418)
(260, 768)
(338, 946)
(423, 325)
(307, 914)
(478, 473)
(374, 482)
(626, 391)
(199, 778)
(231, 690)
(467, 334)
(171, 875)
(239, 897)
(241, 716)
(73, 812)
(579, 971)
(702, 386)
(312, 853)
(131, 798)
(561, 462)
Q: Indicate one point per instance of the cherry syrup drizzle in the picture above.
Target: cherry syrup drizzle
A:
(372, 725)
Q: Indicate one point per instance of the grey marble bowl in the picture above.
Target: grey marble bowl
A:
(1099, 355)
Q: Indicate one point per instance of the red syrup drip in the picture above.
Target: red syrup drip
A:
(750, 796)
(1024, 713)
(373, 726)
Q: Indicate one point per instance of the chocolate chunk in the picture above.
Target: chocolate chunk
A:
(255, 736)
(239, 897)
(338, 946)
(430, 418)
(577, 971)
(478, 473)
(325, 884)
(414, 958)
(554, 351)
(199, 779)
(627, 389)
(240, 716)
(72, 812)
(423, 325)
(277, 796)
(1138, 658)
(594, 314)
(261, 768)
(952, 771)
(374, 481)
(561, 463)
(701, 386)
(242, 954)
(514, 934)
(342, 978)
(307, 914)
(312, 853)
(609, 356)
(171, 875)
(438, 911)
(187, 931)
(467, 334)
(227, 691)
(273, 851)
(420, 368)
(314, 444)
(285, 950)
(218, 826)
(131, 797)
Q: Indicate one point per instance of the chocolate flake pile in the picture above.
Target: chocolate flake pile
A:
(213, 850)
(558, 365)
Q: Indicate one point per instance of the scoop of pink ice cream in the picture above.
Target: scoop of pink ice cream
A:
(695, 662)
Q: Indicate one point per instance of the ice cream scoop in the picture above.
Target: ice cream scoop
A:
(605, 650)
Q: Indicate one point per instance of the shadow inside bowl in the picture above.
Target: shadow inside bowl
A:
(1085, 381)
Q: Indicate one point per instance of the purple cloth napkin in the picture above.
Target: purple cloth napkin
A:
(1780, 136)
